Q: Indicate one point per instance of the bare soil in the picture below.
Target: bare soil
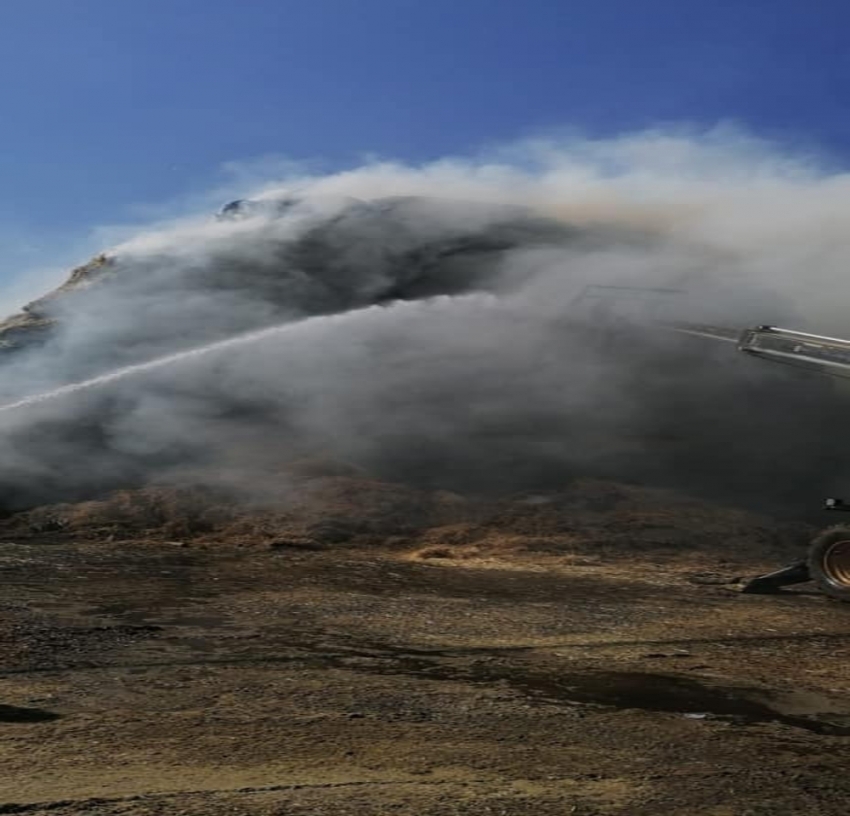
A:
(545, 656)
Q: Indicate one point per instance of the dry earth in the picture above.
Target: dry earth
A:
(448, 670)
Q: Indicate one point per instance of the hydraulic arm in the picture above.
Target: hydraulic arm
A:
(828, 355)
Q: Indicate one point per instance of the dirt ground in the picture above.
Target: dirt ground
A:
(159, 678)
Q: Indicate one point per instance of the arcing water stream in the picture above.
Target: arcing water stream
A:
(160, 362)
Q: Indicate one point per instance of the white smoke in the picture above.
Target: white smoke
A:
(750, 233)
(762, 213)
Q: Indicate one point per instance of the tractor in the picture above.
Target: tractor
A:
(827, 562)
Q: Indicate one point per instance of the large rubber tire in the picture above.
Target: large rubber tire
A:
(829, 562)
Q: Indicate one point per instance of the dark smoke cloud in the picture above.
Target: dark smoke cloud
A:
(434, 330)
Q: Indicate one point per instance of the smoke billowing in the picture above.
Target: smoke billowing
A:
(434, 324)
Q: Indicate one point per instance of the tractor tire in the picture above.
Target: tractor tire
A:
(829, 562)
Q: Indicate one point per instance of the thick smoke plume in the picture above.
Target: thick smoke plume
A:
(434, 324)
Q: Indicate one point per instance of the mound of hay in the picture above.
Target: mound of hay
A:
(592, 517)
(314, 506)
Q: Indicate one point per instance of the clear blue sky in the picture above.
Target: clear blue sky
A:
(105, 104)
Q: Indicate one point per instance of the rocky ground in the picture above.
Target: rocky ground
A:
(585, 652)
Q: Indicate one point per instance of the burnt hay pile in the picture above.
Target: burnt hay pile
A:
(318, 510)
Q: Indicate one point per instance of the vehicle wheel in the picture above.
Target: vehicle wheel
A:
(829, 562)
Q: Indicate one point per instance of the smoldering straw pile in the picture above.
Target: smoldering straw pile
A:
(416, 322)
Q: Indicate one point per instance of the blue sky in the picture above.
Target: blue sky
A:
(106, 105)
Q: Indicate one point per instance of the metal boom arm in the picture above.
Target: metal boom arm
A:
(828, 355)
